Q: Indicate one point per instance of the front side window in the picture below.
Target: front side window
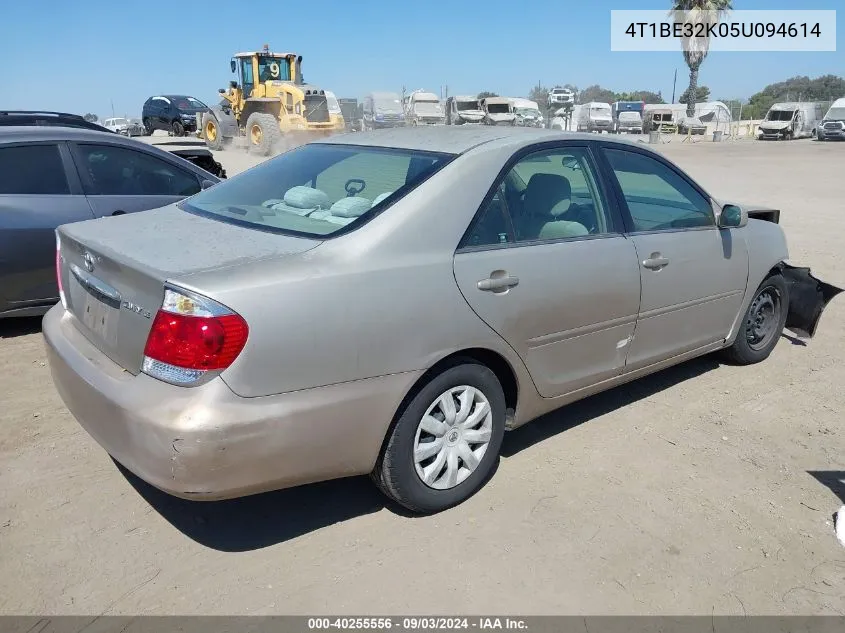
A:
(32, 169)
(548, 195)
(118, 171)
(658, 198)
(317, 189)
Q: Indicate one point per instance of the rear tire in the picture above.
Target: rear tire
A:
(762, 323)
(148, 127)
(212, 132)
(469, 433)
(262, 133)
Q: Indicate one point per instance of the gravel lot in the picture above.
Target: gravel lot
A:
(703, 489)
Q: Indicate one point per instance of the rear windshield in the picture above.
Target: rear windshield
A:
(317, 189)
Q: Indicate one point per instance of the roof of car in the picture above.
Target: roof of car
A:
(452, 139)
(55, 132)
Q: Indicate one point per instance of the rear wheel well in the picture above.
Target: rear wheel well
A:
(492, 360)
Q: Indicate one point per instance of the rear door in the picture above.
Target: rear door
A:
(545, 265)
(39, 190)
(693, 274)
(119, 179)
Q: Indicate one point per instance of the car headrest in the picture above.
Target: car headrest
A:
(544, 192)
(301, 197)
(350, 207)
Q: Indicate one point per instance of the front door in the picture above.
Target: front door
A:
(693, 274)
(546, 266)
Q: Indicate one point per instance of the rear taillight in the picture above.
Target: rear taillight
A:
(192, 336)
(59, 271)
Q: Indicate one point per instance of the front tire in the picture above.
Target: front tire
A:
(262, 133)
(762, 323)
(446, 441)
(211, 131)
(177, 128)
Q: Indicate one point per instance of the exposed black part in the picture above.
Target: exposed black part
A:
(808, 297)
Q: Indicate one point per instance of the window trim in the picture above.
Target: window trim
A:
(88, 188)
(622, 203)
(616, 225)
(71, 177)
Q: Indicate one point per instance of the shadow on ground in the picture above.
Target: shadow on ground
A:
(262, 520)
(833, 479)
(19, 326)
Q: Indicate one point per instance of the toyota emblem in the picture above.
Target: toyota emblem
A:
(89, 262)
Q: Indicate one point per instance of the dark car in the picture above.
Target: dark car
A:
(55, 175)
(37, 117)
(176, 114)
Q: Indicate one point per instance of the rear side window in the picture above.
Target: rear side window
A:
(32, 169)
(118, 171)
(317, 189)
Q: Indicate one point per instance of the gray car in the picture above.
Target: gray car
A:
(55, 175)
(391, 302)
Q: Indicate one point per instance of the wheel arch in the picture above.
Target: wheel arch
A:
(767, 254)
(228, 124)
(494, 361)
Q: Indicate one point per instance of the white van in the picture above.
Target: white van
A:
(527, 113)
(120, 125)
(790, 120)
(833, 124)
(595, 117)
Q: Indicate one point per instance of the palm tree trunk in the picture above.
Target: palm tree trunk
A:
(693, 88)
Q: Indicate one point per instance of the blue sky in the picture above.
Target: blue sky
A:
(81, 56)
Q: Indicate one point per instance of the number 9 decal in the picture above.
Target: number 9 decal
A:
(274, 69)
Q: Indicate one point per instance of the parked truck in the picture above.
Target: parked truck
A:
(424, 108)
(463, 109)
(382, 110)
(527, 113)
(832, 126)
(791, 120)
(627, 116)
(498, 111)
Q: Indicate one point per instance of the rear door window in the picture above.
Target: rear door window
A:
(119, 171)
(32, 170)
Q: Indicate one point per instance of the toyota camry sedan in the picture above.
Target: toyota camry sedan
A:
(391, 302)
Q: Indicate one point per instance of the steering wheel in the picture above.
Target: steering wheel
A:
(350, 188)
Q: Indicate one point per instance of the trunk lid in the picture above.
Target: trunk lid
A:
(114, 269)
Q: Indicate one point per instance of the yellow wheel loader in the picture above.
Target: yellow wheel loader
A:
(269, 106)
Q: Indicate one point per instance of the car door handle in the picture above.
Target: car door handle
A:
(498, 283)
(655, 262)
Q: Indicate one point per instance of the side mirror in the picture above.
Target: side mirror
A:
(732, 217)
(233, 65)
(205, 184)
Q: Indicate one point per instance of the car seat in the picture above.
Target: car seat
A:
(546, 198)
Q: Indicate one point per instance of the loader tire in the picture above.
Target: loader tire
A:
(262, 133)
(211, 131)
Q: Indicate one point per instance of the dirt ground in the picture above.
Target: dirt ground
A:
(703, 489)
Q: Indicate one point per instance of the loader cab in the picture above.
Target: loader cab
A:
(253, 69)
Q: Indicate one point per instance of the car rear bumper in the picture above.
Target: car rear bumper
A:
(208, 443)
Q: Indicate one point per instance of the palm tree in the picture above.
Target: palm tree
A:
(696, 48)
